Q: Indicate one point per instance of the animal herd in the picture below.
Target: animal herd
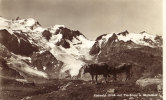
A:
(104, 69)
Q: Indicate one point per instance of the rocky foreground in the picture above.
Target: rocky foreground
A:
(76, 90)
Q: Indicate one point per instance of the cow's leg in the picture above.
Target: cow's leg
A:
(105, 76)
(114, 76)
(92, 78)
(127, 75)
(96, 78)
(108, 75)
(131, 74)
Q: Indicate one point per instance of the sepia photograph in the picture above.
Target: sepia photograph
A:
(81, 49)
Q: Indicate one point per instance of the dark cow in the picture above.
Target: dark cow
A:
(123, 68)
(97, 69)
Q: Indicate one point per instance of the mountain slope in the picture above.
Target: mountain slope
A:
(58, 44)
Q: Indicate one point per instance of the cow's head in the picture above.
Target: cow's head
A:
(86, 68)
(83, 70)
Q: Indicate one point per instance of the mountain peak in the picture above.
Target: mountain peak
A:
(143, 32)
(53, 29)
(124, 33)
(112, 39)
(100, 37)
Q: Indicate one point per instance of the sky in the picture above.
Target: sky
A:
(90, 17)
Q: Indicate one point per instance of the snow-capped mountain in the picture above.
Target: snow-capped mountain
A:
(58, 52)
(143, 50)
(26, 37)
(131, 40)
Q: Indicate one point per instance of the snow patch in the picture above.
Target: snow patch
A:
(71, 56)
(55, 38)
(104, 39)
(29, 22)
(54, 28)
(85, 43)
(19, 57)
(137, 38)
(148, 81)
(71, 59)
(38, 29)
(3, 23)
(22, 80)
(44, 67)
(23, 68)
